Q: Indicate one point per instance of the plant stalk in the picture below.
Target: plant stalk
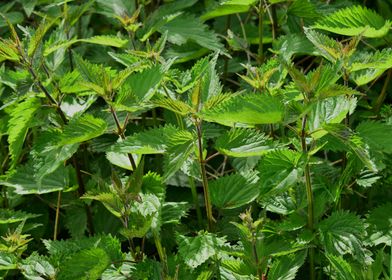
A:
(57, 219)
(120, 132)
(202, 162)
(383, 94)
(195, 200)
(260, 51)
(309, 195)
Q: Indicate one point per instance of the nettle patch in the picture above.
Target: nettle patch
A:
(195, 140)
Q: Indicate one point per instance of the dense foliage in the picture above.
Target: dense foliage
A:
(185, 139)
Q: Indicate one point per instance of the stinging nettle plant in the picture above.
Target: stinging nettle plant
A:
(195, 140)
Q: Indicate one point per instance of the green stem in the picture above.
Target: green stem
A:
(195, 200)
(309, 195)
(161, 253)
(120, 132)
(261, 19)
(383, 94)
(202, 162)
(57, 219)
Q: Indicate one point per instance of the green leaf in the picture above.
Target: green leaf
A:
(139, 87)
(248, 109)
(81, 129)
(380, 219)
(328, 47)
(8, 51)
(173, 105)
(18, 125)
(153, 141)
(37, 267)
(228, 7)
(8, 261)
(348, 139)
(286, 267)
(172, 212)
(8, 216)
(87, 264)
(355, 21)
(48, 155)
(162, 15)
(280, 170)
(39, 35)
(294, 44)
(241, 142)
(367, 66)
(181, 145)
(61, 250)
(234, 190)
(106, 40)
(189, 28)
(342, 233)
(377, 135)
(197, 250)
(24, 180)
(329, 111)
(91, 73)
(342, 268)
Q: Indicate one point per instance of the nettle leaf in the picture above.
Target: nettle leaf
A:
(286, 267)
(153, 141)
(18, 125)
(328, 47)
(38, 36)
(355, 21)
(25, 181)
(279, 170)
(106, 40)
(347, 138)
(328, 111)
(48, 155)
(176, 106)
(342, 233)
(241, 142)
(94, 74)
(82, 128)
(367, 66)
(139, 87)
(87, 264)
(180, 147)
(110, 200)
(207, 85)
(8, 216)
(380, 220)
(37, 267)
(293, 44)
(172, 212)
(234, 190)
(197, 250)
(8, 261)
(247, 109)
(61, 250)
(162, 15)
(144, 216)
(342, 269)
(376, 134)
(8, 51)
(228, 7)
(189, 28)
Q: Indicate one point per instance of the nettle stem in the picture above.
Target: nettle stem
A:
(120, 132)
(202, 162)
(261, 31)
(309, 195)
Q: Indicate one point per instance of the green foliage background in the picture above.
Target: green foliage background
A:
(184, 139)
